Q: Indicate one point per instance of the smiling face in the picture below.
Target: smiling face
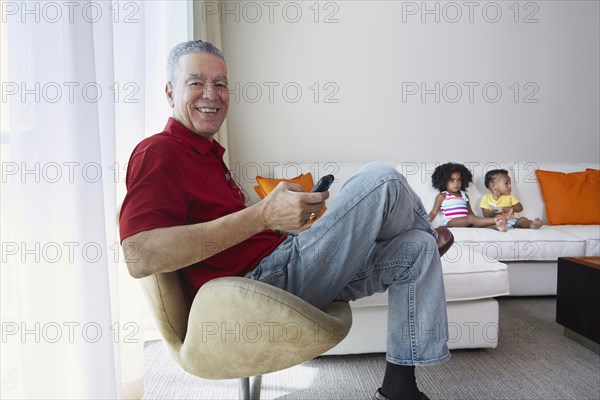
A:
(198, 94)
(454, 183)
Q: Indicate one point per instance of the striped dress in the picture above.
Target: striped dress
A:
(454, 206)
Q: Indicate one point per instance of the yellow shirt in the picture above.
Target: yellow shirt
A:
(488, 202)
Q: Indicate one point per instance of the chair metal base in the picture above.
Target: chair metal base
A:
(246, 392)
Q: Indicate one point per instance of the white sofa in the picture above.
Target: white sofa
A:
(483, 263)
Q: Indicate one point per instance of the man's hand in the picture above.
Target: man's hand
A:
(287, 207)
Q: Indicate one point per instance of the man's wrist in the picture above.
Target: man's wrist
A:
(260, 215)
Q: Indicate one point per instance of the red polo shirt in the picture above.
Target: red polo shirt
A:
(179, 178)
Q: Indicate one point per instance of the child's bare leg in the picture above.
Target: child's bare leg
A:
(461, 222)
(473, 220)
(528, 224)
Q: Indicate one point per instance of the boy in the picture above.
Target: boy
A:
(500, 200)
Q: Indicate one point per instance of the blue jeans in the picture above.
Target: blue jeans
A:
(375, 236)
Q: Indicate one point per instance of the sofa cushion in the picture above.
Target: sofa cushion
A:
(590, 233)
(469, 275)
(546, 243)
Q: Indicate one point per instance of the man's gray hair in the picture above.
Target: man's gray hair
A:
(193, 46)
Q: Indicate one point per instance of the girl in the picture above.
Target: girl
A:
(452, 180)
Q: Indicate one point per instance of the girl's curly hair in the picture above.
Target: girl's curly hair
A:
(443, 173)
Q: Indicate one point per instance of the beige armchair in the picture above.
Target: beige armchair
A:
(238, 328)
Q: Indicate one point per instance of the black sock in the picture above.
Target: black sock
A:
(399, 382)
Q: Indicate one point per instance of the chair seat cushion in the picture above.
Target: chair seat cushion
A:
(239, 327)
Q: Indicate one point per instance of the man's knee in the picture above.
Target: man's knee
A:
(380, 171)
(422, 243)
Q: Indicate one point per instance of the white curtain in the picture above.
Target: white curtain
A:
(82, 83)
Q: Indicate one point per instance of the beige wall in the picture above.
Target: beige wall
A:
(358, 63)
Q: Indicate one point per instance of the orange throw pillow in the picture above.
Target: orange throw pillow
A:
(266, 185)
(572, 198)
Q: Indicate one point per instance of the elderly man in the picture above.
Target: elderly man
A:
(184, 212)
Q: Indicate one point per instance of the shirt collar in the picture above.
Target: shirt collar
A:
(202, 145)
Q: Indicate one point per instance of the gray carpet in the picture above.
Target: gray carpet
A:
(533, 360)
